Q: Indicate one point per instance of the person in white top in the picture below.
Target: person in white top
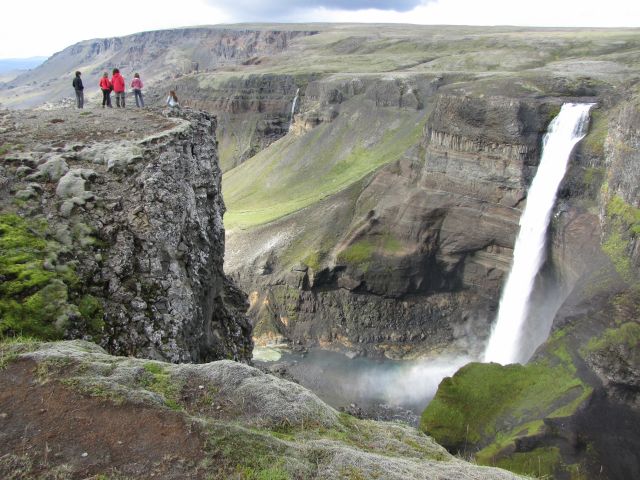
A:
(172, 100)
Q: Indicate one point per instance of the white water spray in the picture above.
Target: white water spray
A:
(529, 253)
(293, 108)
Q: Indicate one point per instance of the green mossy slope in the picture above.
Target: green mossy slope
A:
(298, 171)
(468, 405)
(488, 408)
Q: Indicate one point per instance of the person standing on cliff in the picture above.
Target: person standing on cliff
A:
(79, 88)
(136, 84)
(117, 81)
(106, 87)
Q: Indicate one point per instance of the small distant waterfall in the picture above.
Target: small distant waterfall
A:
(293, 108)
(529, 253)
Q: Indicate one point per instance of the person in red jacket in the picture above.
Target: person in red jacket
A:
(106, 87)
(117, 81)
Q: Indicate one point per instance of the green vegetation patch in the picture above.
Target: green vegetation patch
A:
(359, 252)
(627, 334)
(619, 209)
(593, 143)
(541, 462)
(36, 301)
(480, 400)
(10, 147)
(624, 226)
(296, 172)
(158, 379)
(11, 347)
(362, 252)
(245, 454)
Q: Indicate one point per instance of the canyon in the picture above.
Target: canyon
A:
(377, 216)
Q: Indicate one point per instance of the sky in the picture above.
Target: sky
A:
(43, 27)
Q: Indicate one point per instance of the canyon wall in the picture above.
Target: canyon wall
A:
(129, 237)
(413, 256)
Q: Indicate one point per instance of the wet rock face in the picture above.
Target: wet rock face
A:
(140, 217)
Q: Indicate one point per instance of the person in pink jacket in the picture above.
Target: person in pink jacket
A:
(136, 84)
(117, 81)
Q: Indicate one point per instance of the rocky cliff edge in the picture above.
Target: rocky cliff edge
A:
(112, 231)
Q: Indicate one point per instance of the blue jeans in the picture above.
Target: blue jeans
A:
(138, 94)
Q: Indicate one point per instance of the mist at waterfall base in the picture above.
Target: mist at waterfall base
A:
(515, 336)
(518, 331)
(367, 382)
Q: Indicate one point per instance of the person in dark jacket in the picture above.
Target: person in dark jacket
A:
(79, 88)
(117, 81)
(106, 87)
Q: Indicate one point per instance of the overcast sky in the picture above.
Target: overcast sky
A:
(43, 27)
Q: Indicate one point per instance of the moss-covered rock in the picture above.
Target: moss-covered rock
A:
(482, 401)
(40, 296)
(234, 421)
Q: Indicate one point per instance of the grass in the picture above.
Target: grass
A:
(11, 347)
(245, 454)
(358, 253)
(541, 462)
(481, 399)
(10, 147)
(626, 334)
(619, 209)
(158, 379)
(593, 143)
(296, 172)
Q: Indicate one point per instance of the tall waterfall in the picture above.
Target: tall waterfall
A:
(529, 253)
(293, 108)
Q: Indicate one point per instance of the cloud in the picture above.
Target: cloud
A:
(285, 9)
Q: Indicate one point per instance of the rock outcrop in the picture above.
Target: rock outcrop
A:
(136, 222)
(132, 418)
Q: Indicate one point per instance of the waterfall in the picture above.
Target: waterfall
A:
(529, 253)
(293, 108)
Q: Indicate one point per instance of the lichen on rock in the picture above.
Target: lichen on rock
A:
(138, 219)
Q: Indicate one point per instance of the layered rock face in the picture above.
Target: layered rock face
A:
(137, 221)
(253, 111)
(398, 271)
